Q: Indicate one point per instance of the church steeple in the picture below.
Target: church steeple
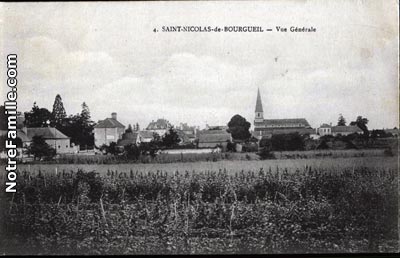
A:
(259, 109)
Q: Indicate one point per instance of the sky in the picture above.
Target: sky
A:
(107, 55)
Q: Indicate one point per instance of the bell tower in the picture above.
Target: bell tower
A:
(259, 118)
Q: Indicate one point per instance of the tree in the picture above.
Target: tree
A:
(132, 151)
(39, 148)
(112, 148)
(156, 139)
(239, 128)
(58, 113)
(37, 117)
(362, 124)
(137, 127)
(341, 121)
(80, 127)
(323, 145)
(265, 153)
(170, 138)
(230, 146)
(87, 125)
(129, 129)
(287, 142)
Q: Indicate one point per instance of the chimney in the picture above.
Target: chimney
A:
(114, 115)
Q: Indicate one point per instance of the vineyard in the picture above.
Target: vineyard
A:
(309, 210)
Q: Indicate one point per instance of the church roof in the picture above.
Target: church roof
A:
(287, 122)
(109, 123)
(259, 107)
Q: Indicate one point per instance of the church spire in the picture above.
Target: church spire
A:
(259, 107)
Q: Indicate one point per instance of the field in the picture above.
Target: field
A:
(273, 206)
(232, 167)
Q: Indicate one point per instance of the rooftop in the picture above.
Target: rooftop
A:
(109, 123)
(161, 123)
(259, 107)
(45, 132)
(292, 122)
(214, 136)
(343, 128)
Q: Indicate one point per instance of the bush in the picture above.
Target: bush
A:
(40, 149)
(287, 142)
(264, 153)
(388, 152)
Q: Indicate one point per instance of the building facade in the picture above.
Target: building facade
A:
(189, 131)
(53, 137)
(108, 130)
(344, 130)
(324, 129)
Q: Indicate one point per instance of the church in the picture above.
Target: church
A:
(265, 128)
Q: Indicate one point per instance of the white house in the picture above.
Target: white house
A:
(108, 130)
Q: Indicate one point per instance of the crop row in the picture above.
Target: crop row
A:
(260, 211)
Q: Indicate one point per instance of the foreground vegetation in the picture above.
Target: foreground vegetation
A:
(232, 166)
(258, 211)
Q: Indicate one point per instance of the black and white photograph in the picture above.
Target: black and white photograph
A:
(199, 127)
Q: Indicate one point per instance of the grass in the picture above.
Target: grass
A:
(230, 165)
(194, 157)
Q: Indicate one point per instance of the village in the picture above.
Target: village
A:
(266, 128)
(186, 138)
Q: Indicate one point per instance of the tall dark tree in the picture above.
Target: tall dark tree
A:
(85, 114)
(137, 127)
(37, 117)
(239, 128)
(361, 122)
(39, 148)
(58, 113)
(80, 128)
(129, 129)
(170, 138)
(341, 120)
(87, 135)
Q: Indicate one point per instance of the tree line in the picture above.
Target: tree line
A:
(79, 127)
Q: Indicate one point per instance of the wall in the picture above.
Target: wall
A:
(107, 135)
(324, 131)
(61, 145)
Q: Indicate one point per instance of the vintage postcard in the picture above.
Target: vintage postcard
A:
(207, 127)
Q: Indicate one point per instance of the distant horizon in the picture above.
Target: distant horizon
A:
(142, 127)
